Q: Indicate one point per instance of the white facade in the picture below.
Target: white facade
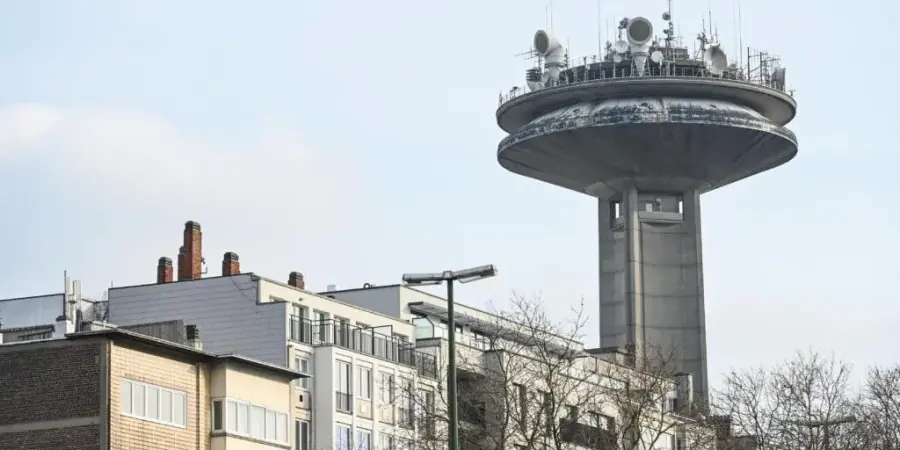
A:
(350, 352)
(429, 313)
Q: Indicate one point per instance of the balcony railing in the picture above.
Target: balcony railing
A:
(362, 340)
(343, 402)
(579, 434)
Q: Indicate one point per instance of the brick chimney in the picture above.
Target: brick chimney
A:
(182, 265)
(230, 264)
(193, 251)
(296, 280)
(164, 270)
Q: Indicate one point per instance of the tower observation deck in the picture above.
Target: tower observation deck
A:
(647, 128)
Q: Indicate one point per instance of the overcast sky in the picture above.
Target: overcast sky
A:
(355, 140)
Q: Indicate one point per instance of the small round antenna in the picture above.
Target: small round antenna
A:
(656, 56)
(715, 60)
(666, 16)
(621, 46)
(617, 58)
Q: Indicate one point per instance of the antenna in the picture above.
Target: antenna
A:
(550, 10)
(740, 32)
(599, 32)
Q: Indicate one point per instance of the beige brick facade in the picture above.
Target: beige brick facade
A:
(168, 371)
(65, 394)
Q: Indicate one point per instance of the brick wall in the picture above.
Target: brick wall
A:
(50, 382)
(169, 372)
(72, 438)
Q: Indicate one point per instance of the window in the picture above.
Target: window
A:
(427, 425)
(405, 407)
(245, 419)
(342, 437)
(301, 365)
(343, 396)
(386, 442)
(365, 383)
(572, 413)
(522, 397)
(363, 439)
(302, 439)
(298, 311)
(153, 403)
(35, 336)
(386, 391)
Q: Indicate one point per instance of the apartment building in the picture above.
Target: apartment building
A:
(491, 347)
(44, 316)
(360, 362)
(108, 388)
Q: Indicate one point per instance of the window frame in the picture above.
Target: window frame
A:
(298, 443)
(280, 416)
(365, 382)
(349, 430)
(360, 432)
(302, 383)
(145, 387)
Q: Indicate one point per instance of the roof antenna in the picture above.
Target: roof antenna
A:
(599, 32)
(550, 12)
(740, 33)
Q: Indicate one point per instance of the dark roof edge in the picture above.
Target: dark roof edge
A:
(118, 333)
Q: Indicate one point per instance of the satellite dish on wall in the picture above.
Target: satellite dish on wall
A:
(656, 56)
(715, 60)
(621, 47)
(617, 58)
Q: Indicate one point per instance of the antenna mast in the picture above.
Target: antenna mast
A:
(599, 33)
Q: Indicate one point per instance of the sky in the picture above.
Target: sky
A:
(354, 141)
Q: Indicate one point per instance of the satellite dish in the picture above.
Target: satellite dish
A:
(715, 60)
(666, 16)
(617, 58)
(621, 47)
(656, 56)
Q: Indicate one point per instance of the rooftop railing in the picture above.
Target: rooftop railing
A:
(579, 76)
(362, 340)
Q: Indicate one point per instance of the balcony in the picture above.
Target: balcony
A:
(582, 435)
(362, 340)
(343, 402)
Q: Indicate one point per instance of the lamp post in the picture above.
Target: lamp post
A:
(825, 425)
(463, 276)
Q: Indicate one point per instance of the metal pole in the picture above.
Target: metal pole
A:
(451, 370)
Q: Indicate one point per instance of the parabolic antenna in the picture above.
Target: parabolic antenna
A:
(639, 31)
(621, 47)
(617, 58)
(715, 60)
(656, 56)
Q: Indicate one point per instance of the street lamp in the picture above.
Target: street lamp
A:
(463, 276)
(825, 425)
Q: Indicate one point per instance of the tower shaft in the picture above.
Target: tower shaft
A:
(651, 279)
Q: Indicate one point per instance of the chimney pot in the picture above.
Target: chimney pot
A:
(164, 270)
(193, 251)
(295, 279)
(231, 265)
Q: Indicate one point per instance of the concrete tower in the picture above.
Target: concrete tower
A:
(647, 128)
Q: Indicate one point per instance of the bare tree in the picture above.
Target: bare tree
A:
(877, 424)
(526, 381)
(805, 403)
